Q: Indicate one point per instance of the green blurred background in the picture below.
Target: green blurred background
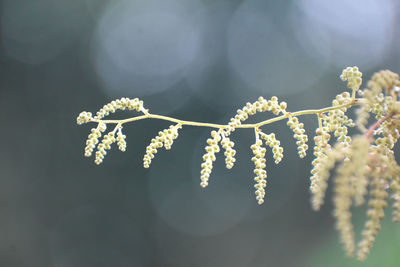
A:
(194, 60)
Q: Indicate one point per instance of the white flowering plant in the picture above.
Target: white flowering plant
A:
(366, 167)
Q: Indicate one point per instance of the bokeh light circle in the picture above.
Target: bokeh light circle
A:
(141, 48)
(266, 58)
(345, 33)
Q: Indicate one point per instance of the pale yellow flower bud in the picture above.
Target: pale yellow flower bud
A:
(209, 157)
(84, 117)
(259, 171)
(165, 138)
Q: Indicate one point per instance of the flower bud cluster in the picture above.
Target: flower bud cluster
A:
(93, 138)
(319, 173)
(363, 112)
(209, 157)
(392, 172)
(378, 107)
(84, 117)
(351, 184)
(390, 126)
(386, 141)
(363, 165)
(353, 77)
(272, 142)
(259, 171)
(384, 79)
(367, 161)
(395, 188)
(385, 108)
(105, 145)
(119, 104)
(358, 158)
(337, 120)
(299, 135)
(377, 203)
(261, 105)
(374, 99)
(342, 99)
(165, 138)
(383, 171)
(342, 203)
(121, 140)
(229, 153)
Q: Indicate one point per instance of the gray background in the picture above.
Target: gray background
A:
(194, 60)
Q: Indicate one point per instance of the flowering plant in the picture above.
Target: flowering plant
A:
(366, 162)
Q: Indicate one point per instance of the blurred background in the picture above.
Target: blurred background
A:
(195, 60)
